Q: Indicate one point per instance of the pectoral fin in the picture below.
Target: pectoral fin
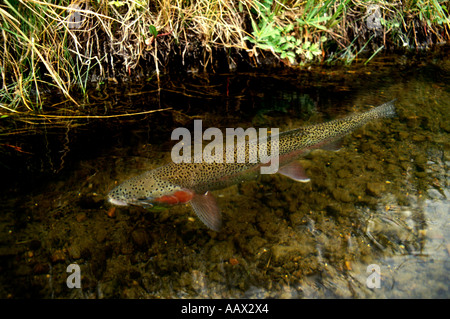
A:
(295, 171)
(206, 208)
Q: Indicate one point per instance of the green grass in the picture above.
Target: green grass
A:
(42, 48)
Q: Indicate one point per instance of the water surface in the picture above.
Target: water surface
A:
(381, 201)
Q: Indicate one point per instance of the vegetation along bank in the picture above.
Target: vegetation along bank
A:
(68, 45)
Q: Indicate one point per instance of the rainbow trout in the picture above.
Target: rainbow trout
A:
(179, 183)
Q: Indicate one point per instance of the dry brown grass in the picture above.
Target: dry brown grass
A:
(67, 45)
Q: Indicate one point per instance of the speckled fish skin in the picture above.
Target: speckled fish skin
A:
(191, 179)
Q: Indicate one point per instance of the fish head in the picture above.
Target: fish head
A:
(148, 190)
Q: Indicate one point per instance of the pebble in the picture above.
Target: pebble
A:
(342, 195)
(403, 135)
(140, 237)
(343, 173)
(111, 212)
(348, 265)
(74, 251)
(58, 256)
(101, 235)
(81, 217)
(233, 261)
(40, 268)
(283, 253)
(418, 138)
(375, 189)
(435, 194)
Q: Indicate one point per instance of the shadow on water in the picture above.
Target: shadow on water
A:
(383, 200)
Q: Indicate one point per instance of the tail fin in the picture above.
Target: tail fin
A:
(385, 110)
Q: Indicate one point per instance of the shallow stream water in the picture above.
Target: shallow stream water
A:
(380, 203)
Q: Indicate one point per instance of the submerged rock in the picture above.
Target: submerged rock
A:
(140, 237)
(342, 195)
(375, 189)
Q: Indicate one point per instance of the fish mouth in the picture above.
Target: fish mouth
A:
(147, 203)
(117, 202)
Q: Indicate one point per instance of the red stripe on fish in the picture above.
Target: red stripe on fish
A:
(179, 197)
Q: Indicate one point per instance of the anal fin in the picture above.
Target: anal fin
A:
(295, 171)
(333, 146)
(206, 208)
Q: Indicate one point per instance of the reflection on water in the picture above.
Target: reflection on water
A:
(382, 202)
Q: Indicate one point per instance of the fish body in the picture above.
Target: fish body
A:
(178, 183)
